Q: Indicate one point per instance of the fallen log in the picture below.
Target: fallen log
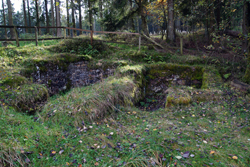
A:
(151, 40)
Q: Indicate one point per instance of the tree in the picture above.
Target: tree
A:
(52, 16)
(4, 21)
(28, 6)
(90, 15)
(73, 16)
(80, 15)
(67, 9)
(157, 11)
(58, 22)
(24, 16)
(141, 5)
(37, 16)
(246, 24)
(170, 28)
(12, 33)
(101, 11)
(131, 18)
(47, 16)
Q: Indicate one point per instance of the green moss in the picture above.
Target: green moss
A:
(138, 71)
(61, 61)
(79, 46)
(211, 78)
(14, 81)
(246, 77)
(164, 70)
(177, 96)
(26, 98)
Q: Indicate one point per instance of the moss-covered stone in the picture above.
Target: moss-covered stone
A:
(192, 74)
(185, 95)
(26, 98)
(138, 71)
(60, 61)
(165, 69)
(177, 96)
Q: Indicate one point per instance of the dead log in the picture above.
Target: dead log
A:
(151, 40)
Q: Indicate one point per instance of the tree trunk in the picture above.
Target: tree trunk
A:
(80, 15)
(90, 16)
(245, 27)
(143, 19)
(247, 20)
(67, 9)
(28, 5)
(12, 33)
(73, 17)
(24, 15)
(131, 19)
(37, 16)
(4, 21)
(47, 16)
(217, 12)
(58, 22)
(52, 16)
(101, 12)
(165, 20)
(171, 31)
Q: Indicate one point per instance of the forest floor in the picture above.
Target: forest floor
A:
(80, 127)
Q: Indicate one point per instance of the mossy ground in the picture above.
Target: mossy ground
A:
(98, 125)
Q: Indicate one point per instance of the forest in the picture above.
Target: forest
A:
(130, 83)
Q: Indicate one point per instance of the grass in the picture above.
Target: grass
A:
(97, 125)
(214, 132)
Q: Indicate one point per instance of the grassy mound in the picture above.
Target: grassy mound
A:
(93, 102)
(13, 81)
(25, 98)
(79, 46)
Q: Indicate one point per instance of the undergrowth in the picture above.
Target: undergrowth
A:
(98, 125)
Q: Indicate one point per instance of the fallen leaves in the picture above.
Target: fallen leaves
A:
(186, 154)
(178, 157)
(212, 152)
(52, 153)
(235, 157)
